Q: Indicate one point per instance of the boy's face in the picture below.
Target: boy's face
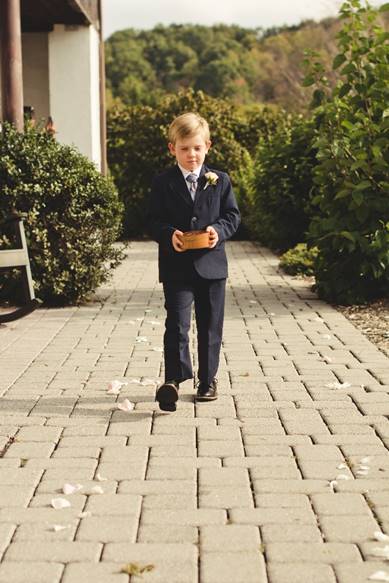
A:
(190, 152)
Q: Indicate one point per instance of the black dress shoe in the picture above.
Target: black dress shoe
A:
(167, 395)
(207, 392)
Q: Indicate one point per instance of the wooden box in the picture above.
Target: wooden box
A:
(195, 240)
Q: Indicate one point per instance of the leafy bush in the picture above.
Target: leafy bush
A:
(351, 228)
(244, 188)
(256, 122)
(137, 148)
(283, 183)
(71, 213)
(299, 260)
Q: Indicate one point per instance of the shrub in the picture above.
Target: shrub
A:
(256, 122)
(244, 188)
(283, 183)
(137, 147)
(351, 228)
(299, 260)
(71, 213)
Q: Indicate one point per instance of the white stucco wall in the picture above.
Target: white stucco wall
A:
(74, 88)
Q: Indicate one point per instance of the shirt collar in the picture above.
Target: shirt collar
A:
(187, 172)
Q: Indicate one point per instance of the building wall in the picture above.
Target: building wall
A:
(61, 78)
(74, 87)
(35, 50)
(35, 54)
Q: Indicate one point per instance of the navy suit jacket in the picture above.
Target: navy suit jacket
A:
(171, 207)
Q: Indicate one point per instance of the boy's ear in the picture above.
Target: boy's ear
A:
(172, 148)
(208, 143)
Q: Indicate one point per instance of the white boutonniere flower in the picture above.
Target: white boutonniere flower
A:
(212, 179)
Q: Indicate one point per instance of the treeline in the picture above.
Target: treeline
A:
(230, 62)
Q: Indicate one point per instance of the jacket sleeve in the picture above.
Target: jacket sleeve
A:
(229, 219)
(157, 224)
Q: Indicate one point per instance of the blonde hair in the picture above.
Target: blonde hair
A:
(187, 125)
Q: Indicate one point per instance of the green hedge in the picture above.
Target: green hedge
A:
(71, 213)
(283, 183)
(137, 148)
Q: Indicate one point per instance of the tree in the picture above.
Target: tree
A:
(351, 228)
(232, 62)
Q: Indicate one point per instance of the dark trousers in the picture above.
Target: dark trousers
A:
(208, 296)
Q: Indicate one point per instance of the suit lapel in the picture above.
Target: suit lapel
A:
(178, 184)
(201, 182)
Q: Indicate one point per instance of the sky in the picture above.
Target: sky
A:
(141, 14)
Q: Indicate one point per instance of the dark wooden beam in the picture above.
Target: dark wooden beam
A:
(88, 8)
(11, 63)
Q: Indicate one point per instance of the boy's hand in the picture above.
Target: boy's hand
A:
(213, 237)
(177, 242)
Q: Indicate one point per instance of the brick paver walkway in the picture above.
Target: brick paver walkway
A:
(283, 480)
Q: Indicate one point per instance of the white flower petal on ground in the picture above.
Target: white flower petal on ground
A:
(59, 503)
(59, 527)
(140, 339)
(139, 319)
(154, 322)
(341, 467)
(343, 477)
(381, 537)
(272, 314)
(253, 301)
(318, 319)
(148, 310)
(134, 381)
(326, 336)
(71, 488)
(126, 406)
(157, 348)
(337, 385)
(362, 467)
(130, 322)
(99, 478)
(379, 576)
(381, 552)
(365, 460)
(327, 359)
(115, 386)
(84, 514)
(362, 473)
(333, 485)
(97, 490)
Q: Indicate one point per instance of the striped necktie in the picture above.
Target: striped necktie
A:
(192, 180)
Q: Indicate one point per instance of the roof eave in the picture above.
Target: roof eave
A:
(76, 5)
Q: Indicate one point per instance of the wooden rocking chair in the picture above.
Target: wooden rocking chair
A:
(18, 258)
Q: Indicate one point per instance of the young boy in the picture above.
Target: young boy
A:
(190, 197)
